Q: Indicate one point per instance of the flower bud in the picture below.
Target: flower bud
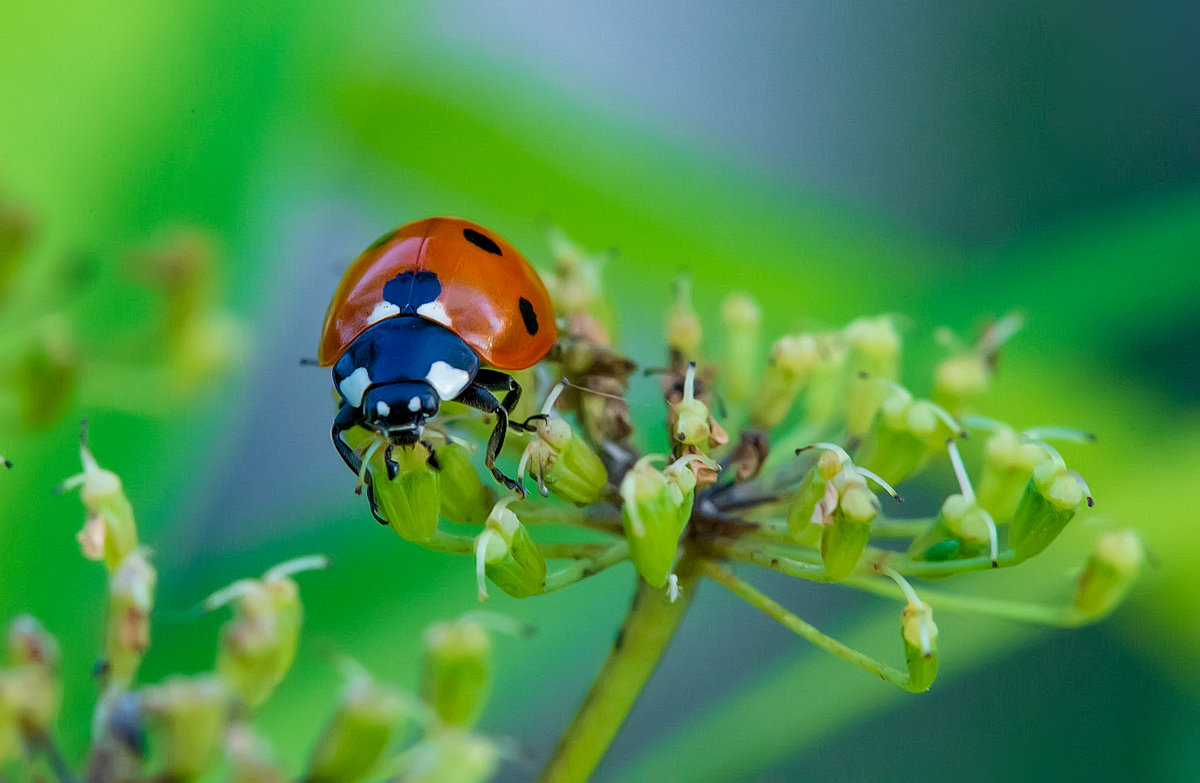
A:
(130, 598)
(793, 358)
(961, 529)
(506, 554)
(46, 373)
(848, 525)
(452, 756)
(465, 499)
(410, 502)
(109, 532)
(16, 233)
(742, 319)
(1050, 501)
(684, 331)
(804, 523)
(563, 463)
(874, 353)
(357, 734)
(961, 380)
(258, 644)
(1111, 570)
(31, 685)
(919, 633)
(187, 717)
(208, 345)
(826, 386)
(574, 284)
(1008, 465)
(656, 508)
(250, 758)
(456, 671)
(903, 433)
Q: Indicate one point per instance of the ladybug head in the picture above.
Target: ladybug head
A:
(400, 409)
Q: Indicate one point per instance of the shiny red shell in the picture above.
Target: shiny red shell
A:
(490, 295)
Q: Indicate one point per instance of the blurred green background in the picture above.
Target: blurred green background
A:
(946, 163)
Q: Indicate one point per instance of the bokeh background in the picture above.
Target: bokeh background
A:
(948, 162)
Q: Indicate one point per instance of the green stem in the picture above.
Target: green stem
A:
(1039, 614)
(900, 528)
(649, 626)
(807, 631)
(586, 567)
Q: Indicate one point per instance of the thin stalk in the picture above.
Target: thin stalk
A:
(1039, 614)
(585, 568)
(649, 627)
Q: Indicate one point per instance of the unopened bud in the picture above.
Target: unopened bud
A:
(208, 345)
(961, 380)
(187, 717)
(250, 758)
(961, 529)
(792, 361)
(848, 526)
(452, 756)
(410, 502)
(690, 421)
(904, 432)
(357, 734)
(258, 644)
(506, 554)
(109, 532)
(563, 463)
(1111, 570)
(683, 324)
(130, 599)
(465, 499)
(30, 688)
(874, 354)
(657, 506)
(47, 372)
(456, 671)
(804, 523)
(1051, 499)
(920, 645)
(1008, 464)
(742, 320)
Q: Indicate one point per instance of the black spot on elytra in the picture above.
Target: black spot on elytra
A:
(528, 316)
(481, 241)
(409, 290)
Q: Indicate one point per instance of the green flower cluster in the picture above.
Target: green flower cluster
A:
(188, 727)
(784, 457)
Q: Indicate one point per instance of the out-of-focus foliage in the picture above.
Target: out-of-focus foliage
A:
(297, 132)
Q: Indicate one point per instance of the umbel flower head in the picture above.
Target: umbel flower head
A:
(786, 452)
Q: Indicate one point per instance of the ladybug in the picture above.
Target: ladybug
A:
(433, 311)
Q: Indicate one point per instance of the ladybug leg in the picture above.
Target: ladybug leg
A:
(481, 399)
(494, 380)
(432, 460)
(345, 419)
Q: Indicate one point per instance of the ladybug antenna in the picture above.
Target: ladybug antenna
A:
(597, 392)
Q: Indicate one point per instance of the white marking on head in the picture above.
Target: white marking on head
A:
(448, 381)
(382, 408)
(354, 386)
(434, 311)
(414, 404)
(384, 309)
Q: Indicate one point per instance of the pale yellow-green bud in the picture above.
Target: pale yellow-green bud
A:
(130, 599)
(465, 499)
(109, 532)
(411, 502)
(826, 397)
(874, 354)
(187, 718)
(904, 432)
(506, 554)
(742, 320)
(792, 361)
(958, 382)
(357, 734)
(1008, 464)
(803, 523)
(919, 633)
(452, 756)
(653, 516)
(1051, 499)
(250, 758)
(1111, 570)
(684, 331)
(31, 683)
(961, 529)
(456, 671)
(46, 373)
(847, 525)
(564, 464)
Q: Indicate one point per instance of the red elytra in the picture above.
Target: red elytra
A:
(490, 295)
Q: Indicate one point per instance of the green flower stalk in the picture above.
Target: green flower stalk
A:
(186, 717)
(456, 671)
(258, 644)
(506, 554)
(355, 737)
